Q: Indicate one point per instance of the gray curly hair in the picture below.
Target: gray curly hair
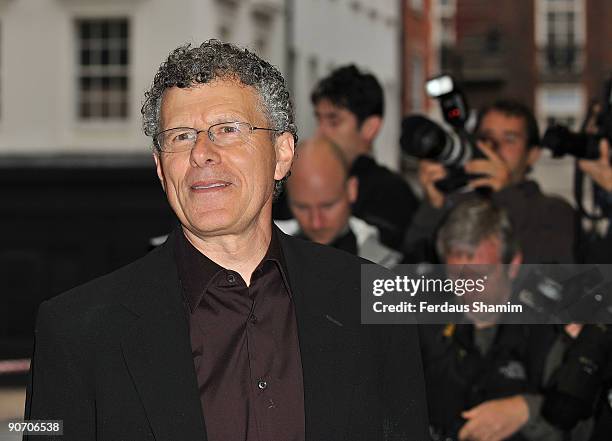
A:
(187, 66)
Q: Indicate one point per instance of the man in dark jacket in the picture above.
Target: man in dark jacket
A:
(484, 379)
(231, 330)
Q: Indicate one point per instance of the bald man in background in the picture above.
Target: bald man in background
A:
(320, 193)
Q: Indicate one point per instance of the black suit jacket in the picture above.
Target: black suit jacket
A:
(113, 359)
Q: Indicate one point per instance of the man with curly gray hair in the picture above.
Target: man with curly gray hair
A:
(230, 330)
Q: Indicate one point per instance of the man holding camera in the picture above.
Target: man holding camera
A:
(508, 138)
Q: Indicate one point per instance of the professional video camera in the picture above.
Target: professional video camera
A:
(579, 382)
(585, 144)
(425, 139)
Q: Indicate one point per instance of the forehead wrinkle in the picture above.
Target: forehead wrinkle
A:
(194, 110)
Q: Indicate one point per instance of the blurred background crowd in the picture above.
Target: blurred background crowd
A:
(503, 160)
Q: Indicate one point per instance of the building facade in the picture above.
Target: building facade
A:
(76, 70)
(557, 66)
(79, 190)
(73, 72)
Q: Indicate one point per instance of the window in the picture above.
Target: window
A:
(103, 62)
(561, 104)
(262, 31)
(493, 41)
(562, 34)
(567, 121)
(416, 5)
(226, 13)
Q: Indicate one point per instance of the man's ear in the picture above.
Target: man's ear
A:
(160, 170)
(352, 188)
(515, 265)
(533, 155)
(370, 127)
(285, 149)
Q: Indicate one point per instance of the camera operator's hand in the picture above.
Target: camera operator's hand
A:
(429, 173)
(496, 171)
(599, 170)
(495, 420)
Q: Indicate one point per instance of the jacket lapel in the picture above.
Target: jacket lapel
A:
(157, 351)
(326, 340)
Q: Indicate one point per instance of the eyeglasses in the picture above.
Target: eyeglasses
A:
(226, 134)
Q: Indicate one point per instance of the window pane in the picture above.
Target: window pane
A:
(103, 58)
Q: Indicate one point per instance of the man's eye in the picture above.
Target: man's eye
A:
(183, 136)
(328, 205)
(228, 130)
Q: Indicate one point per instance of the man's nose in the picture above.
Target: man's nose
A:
(204, 152)
(320, 130)
(316, 219)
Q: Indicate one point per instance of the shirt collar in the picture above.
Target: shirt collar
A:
(196, 271)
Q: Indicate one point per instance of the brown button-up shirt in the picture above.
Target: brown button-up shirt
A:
(245, 347)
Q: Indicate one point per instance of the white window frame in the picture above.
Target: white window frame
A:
(99, 72)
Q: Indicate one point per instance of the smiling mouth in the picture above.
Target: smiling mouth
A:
(211, 186)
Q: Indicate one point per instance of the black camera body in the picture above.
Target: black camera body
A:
(422, 138)
(584, 145)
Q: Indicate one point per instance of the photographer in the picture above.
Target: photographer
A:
(508, 139)
(483, 379)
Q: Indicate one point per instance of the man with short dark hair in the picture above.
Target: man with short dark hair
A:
(230, 330)
(545, 226)
(349, 107)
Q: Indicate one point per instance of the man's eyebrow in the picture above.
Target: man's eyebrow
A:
(329, 204)
(298, 204)
(226, 117)
(330, 114)
(511, 133)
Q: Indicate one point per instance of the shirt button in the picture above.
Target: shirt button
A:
(253, 318)
(231, 278)
(262, 384)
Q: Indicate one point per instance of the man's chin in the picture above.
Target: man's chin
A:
(211, 224)
(322, 240)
